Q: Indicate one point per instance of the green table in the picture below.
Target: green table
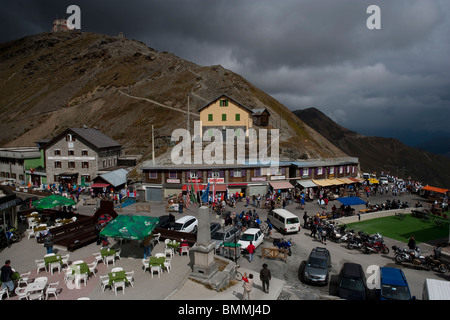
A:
(84, 268)
(157, 261)
(173, 245)
(51, 259)
(117, 276)
(107, 252)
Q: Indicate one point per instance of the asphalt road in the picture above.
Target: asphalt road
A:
(303, 243)
(294, 289)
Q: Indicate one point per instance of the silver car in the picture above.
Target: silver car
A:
(318, 266)
(225, 234)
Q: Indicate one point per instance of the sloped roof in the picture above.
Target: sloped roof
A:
(96, 137)
(116, 177)
(90, 136)
(227, 97)
(259, 111)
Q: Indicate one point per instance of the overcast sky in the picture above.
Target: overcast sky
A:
(391, 82)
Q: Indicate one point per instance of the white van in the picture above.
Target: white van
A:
(284, 221)
(436, 290)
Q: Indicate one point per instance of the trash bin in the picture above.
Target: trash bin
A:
(231, 250)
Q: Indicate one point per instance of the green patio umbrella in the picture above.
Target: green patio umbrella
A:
(53, 201)
(131, 227)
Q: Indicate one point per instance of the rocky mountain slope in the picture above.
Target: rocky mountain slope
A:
(377, 154)
(51, 81)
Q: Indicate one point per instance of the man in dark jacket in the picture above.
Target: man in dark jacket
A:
(6, 276)
(265, 276)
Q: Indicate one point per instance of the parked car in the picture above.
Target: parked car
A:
(186, 224)
(317, 266)
(352, 282)
(214, 227)
(226, 234)
(393, 284)
(252, 234)
(164, 222)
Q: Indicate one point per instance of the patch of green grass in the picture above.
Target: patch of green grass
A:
(402, 229)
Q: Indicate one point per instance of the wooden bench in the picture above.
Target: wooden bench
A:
(191, 238)
(274, 253)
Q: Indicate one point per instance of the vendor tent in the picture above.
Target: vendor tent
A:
(351, 201)
(434, 189)
(53, 201)
(130, 227)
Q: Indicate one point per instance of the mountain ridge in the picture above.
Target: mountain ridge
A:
(51, 81)
(377, 154)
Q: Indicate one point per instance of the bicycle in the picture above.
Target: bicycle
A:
(237, 274)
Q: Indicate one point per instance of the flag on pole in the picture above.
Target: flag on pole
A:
(188, 197)
(193, 193)
(214, 190)
(205, 195)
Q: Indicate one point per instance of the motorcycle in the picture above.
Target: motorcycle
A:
(414, 257)
(434, 261)
(283, 244)
(12, 235)
(336, 233)
(401, 254)
(375, 244)
(354, 241)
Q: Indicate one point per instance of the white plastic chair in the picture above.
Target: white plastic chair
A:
(146, 263)
(168, 264)
(104, 282)
(130, 277)
(24, 277)
(51, 289)
(116, 269)
(31, 233)
(92, 267)
(3, 291)
(38, 295)
(109, 259)
(40, 263)
(185, 249)
(98, 257)
(118, 251)
(68, 274)
(119, 284)
(157, 236)
(55, 265)
(21, 293)
(157, 269)
(65, 260)
(81, 277)
(169, 252)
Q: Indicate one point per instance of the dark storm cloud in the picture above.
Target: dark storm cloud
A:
(305, 53)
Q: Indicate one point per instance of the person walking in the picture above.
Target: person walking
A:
(248, 285)
(265, 276)
(251, 250)
(305, 219)
(48, 242)
(6, 276)
(412, 243)
(147, 243)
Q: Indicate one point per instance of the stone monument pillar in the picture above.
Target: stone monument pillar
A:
(202, 259)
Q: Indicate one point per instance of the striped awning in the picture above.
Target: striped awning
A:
(306, 183)
(281, 185)
(323, 182)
